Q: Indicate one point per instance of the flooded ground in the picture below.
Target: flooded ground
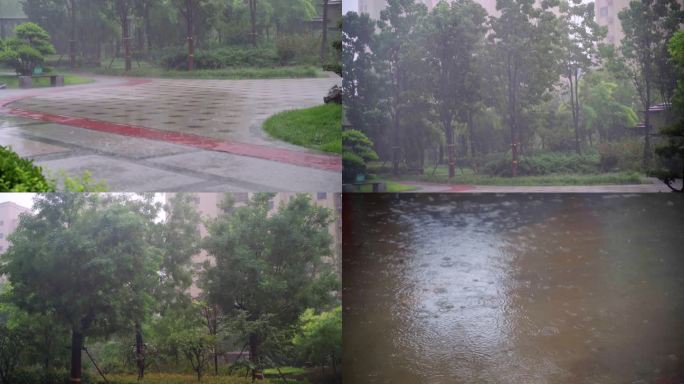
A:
(513, 289)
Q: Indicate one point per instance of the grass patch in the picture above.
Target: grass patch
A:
(317, 128)
(147, 70)
(285, 370)
(173, 378)
(390, 185)
(43, 82)
(550, 180)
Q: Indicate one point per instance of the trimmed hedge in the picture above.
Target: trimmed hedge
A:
(20, 175)
(544, 164)
(177, 58)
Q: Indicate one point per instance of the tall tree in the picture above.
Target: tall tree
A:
(190, 9)
(253, 21)
(71, 7)
(452, 38)
(397, 24)
(269, 266)
(123, 11)
(580, 40)
(648, 26)
(81, 258)
(525, 42)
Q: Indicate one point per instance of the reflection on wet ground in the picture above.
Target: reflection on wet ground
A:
(513, 289)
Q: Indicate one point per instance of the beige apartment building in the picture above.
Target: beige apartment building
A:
(607, 12)
(373, 7)
(208, 208)
(9, 219)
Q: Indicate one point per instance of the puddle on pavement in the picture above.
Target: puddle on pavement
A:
(513, 289)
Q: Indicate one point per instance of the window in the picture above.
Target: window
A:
(2, 236)
(603, 12)
(241, 197)
(322, 195)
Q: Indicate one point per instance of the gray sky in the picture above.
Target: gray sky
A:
(26, 199)
(350, 5)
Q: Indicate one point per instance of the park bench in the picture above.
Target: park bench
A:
(27, 81)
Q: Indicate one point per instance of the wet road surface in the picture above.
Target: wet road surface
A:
(513, 289)
(173, 135)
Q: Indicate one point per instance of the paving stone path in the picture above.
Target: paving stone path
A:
(170, 135)
(654, 186)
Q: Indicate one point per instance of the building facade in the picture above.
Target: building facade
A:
(208, 206)
(374, 7)
(9, 219)
(607, 12)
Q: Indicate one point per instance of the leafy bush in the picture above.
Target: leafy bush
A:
(357, 150)
(172, 378)
(298, 49)
(544, 164)
(623, 155)
(20, 175)
(27, 49)
(226, 57)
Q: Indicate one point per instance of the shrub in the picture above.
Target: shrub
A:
(27, 49)
(20, 175)
(298, 49)
(177, 58)
(623, 155)
(357, 149)
(543, 164)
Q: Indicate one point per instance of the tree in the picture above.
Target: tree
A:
(71, 7)
(648, 26)
(80, 257)
(524, 44)
(11, 342)
(319, 337)
(671, 153)
(580, 53)
(357, 151)
(269, 266)
(397, 25)
(253, 21)
(27, 49)
(123, 11)
(452, 35)
(190, 9)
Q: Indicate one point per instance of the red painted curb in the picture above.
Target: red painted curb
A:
(324, 162)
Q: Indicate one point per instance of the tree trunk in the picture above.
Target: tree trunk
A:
(76, 346)
(146, 20)
(191, 40)
(72, 39)
(139, 351)
(449, 130)
(575, 110)
(324, 31)
(125, 27)
(647, 128)
(252, 16)
(254, 352)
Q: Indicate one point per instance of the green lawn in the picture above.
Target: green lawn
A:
(391, 187)
(146, 69)
(567, 179)
(173, 378)
(13, 82)
(317, 128)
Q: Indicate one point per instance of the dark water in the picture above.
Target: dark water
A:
(513, 289)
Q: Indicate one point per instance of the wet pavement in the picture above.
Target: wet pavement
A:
(513, 289)
(172, 135)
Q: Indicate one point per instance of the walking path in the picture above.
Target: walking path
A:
(170, 135)
(654, 187)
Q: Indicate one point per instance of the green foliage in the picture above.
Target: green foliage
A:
(544, 164)
(174, 378)
(621, 155)
(317, 128)
(357, 151)
(20, 175)
(32, 376)
(27, 49)
(297, 49)
(269, 268)
(227, 57)
(319, 338)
